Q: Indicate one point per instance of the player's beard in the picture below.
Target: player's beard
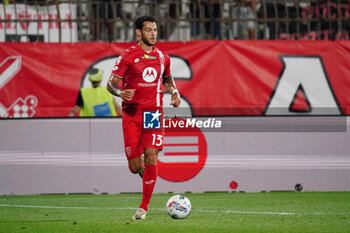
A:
(146, 41)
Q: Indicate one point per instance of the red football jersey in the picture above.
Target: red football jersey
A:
(143, 72)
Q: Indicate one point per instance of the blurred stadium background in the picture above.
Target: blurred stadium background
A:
(179, 20)
(276, 73)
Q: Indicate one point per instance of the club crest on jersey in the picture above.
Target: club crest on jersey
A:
(149, 74)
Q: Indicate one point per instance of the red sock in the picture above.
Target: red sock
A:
(149, 180)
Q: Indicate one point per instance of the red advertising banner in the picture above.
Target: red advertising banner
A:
(214, 77)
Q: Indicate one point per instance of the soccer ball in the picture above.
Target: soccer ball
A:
(178, 206)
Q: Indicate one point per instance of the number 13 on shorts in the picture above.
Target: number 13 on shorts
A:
(157, 139)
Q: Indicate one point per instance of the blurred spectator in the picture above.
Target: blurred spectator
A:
(104, 13)
(242, 11)
(95, 100)
(215, 14)
(195, 16)
(271, 11)
(144, 7)
(204, 14)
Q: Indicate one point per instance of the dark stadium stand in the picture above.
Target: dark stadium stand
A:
(179, 20)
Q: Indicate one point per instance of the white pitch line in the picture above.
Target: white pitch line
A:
(245, 212)
(68, 207)
(160, 209)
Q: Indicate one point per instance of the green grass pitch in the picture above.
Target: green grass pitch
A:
(212, 212)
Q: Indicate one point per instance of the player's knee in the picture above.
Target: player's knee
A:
(151, 158)
(151, 161)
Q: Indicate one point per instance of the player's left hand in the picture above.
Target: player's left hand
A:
(175, 100)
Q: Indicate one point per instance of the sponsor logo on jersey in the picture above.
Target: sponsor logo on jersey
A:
(137, 60)
(149, 74)
(147, 84)
(151, 120)
(145, 56)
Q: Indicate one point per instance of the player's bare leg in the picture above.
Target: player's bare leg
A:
(136, 165)
(149, 181)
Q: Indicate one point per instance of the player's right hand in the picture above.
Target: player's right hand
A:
(127, 94)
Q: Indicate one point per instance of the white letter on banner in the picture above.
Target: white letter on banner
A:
(13, 66)
(309, 73)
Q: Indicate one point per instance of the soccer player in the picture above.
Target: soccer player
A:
(142, 68)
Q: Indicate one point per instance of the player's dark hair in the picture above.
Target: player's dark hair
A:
(139, 21)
